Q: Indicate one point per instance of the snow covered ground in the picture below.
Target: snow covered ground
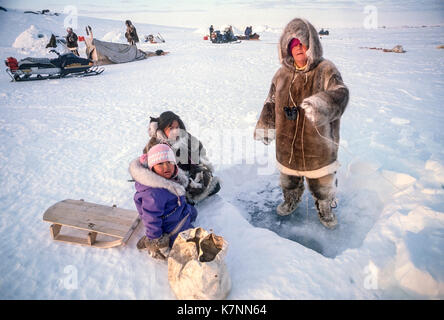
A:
(74, 138)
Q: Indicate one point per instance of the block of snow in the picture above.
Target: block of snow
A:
(362, 168)
(437, 168)
(399, 121)
(398, 180)
(114, 36)
(32, 39)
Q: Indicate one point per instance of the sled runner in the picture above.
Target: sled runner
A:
(97, 219)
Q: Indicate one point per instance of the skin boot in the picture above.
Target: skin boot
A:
(292, 188)
(325, 213)
(290, 204)
(323, 191)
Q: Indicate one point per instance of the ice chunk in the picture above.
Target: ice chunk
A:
(398, 180)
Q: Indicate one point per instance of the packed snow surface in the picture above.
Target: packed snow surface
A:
(74, 138)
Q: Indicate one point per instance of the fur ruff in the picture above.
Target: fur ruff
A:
(150, 179)
(198, 198)
(304, 31)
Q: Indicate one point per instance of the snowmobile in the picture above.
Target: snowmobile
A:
(44, 68)
(226, 37)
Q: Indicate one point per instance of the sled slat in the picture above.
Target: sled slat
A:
(130, 231)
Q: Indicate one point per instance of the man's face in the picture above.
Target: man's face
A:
(299, 52)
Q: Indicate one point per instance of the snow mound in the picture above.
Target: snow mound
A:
(114, 36)
(235, 29)
(437, 169)
(399, 121)
(32, 40)
(265, 28)
(422, 230)
(398, 180)
(202, 31)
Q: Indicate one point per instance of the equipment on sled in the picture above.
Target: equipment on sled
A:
(43, 68)
(154, 39)
(254, 36)
(103, 52)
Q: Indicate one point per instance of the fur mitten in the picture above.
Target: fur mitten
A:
(310, 112)
(157, 248)
(315, 110)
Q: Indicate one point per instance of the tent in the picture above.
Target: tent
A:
(103, 52)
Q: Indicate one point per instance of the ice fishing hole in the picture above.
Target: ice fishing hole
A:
(357, 212)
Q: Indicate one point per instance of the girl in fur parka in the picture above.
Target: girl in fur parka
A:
(191, 156)
(302, 112)
(160, 200)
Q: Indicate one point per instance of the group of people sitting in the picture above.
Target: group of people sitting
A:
(172, 175)
(222, 37)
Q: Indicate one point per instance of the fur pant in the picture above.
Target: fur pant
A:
(323, 188)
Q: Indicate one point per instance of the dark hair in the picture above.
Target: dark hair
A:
(166, 118)
(128, 23)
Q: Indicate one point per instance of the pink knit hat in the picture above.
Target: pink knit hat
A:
(160, 153)
(293, 43)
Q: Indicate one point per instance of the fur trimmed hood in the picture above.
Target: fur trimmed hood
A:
(304, 31)
(148, 178)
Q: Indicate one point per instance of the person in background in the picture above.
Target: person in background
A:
(71, 41)
(131, 33)
(247, 32)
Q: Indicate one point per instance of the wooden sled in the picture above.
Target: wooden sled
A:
(98, 219)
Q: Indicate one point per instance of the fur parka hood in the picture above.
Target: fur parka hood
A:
(150, 179)
(306, 33)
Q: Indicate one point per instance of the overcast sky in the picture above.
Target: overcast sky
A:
(276, 13)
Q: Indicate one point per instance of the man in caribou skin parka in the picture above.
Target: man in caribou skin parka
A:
(302, 112)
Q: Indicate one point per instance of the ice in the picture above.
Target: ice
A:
(399, 121)
(74, 138)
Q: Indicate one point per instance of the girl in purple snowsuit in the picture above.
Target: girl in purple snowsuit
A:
(160, 199)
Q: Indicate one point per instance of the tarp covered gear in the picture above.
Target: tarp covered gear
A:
(103, 52)
(196, 266)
